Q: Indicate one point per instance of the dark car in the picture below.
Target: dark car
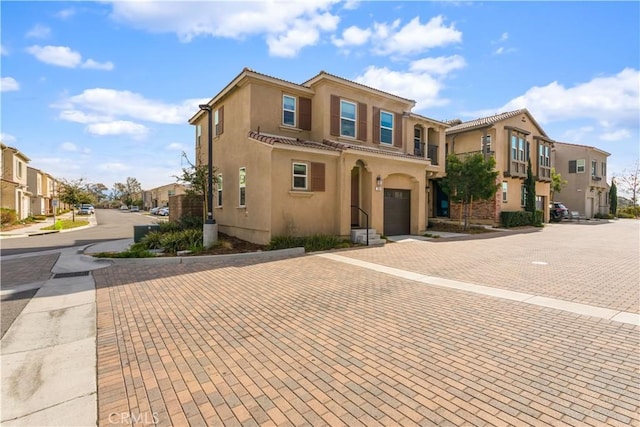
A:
(558, 211)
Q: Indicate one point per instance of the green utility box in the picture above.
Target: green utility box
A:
(139, 231)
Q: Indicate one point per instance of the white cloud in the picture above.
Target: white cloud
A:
(439, 65)
(504, 37)
(39, 31)
(352, 36)
(414, 37)
(7, 138)
(99, 104)
(616, 135)
(176, 146)
(114, 167)
(64, 56)
(119, 127)
(8, 84)
(68, 146)
(281, 23)
(3, 50)
(66, 13)
(608, 99)
(351, 4)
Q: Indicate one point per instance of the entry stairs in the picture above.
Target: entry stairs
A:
(359, 235)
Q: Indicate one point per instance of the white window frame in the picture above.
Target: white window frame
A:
(294, 176)
(505, 191)
(580, 166)
(295, 102)
(198, 133)
(386, 127)
(521, 145)
(354, 120)
(514, 147)
(604, 170)
(547, 156)
(219, 190)
(216, 122)
(485, 142)
(594, 168)
(242, 185)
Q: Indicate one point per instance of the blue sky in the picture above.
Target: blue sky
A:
(103, 90)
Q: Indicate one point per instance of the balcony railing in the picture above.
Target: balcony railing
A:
(432, 153)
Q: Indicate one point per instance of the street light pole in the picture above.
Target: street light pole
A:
(210, 228)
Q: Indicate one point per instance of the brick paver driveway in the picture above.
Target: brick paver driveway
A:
(315, 341)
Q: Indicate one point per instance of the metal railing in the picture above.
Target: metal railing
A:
(366, 215)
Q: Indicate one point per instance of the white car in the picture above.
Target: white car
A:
(124, 208)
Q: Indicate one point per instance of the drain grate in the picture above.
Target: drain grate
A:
(74, 274)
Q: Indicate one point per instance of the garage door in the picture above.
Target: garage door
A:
(397, 211)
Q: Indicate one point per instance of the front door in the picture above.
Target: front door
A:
(397, 212)
(355, 197)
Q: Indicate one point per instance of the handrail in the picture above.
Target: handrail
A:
(367, 218)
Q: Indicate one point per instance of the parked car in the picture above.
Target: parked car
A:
(154, 211)
(558, 211)
(134, 209)
(84, 210)
(163, 212)
(88, 206)
(124, 208)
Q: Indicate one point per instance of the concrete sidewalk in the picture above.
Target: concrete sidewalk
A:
(36, 229)
(48, 355)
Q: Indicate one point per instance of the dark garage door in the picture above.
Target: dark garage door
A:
(397, 212)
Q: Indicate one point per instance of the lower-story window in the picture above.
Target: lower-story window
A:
(299, 176)
(505, 188)
(219, 186)
(243, 187)
(523, 195)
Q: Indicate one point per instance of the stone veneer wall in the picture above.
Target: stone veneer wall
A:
(483, 211)
(185, 205)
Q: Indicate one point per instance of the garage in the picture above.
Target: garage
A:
(397, 212)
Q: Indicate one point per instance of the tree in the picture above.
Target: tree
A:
(530, 191)
(469, 179)
(97, 191)
(129, 192)
(556, 183)
(629, 182)
(613, 197)
(74, 193)
(195, 179)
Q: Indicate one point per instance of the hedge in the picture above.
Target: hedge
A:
(520, 218)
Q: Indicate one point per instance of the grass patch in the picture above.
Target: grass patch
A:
(313, 243)
(65, 224)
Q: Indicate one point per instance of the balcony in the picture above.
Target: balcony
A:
(432, 153)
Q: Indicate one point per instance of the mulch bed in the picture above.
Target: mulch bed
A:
(231, 245)
(455, 228)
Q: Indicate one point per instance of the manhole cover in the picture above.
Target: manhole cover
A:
(74, 274)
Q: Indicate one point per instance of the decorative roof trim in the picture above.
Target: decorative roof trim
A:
(294, 142)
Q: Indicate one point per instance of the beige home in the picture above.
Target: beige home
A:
(15, 193)
(325, 156)
(585, 170)
(159, 196)
(511, 138)
(35, 185)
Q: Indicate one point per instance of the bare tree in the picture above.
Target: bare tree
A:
(629, 182)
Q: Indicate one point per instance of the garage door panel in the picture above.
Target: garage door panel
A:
(397, 211)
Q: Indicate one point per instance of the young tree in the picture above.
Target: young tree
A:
(613, 197)
(556, 183)
(73, 193)
(195, 179)
(129, 191)
(473, 178)
(530, 190)
(629, 182)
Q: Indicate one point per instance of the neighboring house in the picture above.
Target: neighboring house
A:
(49, 187)
(159, 196)
(585, 170)
(15, 193)
(317, 157)
(511, 138)
(36, 187)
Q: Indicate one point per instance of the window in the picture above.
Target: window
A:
(347, 119)
(386, 128)
(485, 143)
(514, 147)
(505, 189)
(19, 168)
(288, 110)
(604, 169)
(219, 187)
(198, 134)
(580, 166)
(243, 187)
(545, 156)
(299, 176)
(594, 167)
(523, 195)
(521, 150)
(218, 120)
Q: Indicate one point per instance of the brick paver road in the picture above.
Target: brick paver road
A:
(312, 341)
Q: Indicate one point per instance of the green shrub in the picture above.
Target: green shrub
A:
(181, 240)
(190, 222)
(516, 219)
(151, 240)
(315, 242)
(604, 216)
(169, 227)
(625, 215)
(321, 242)
(40, 217)
(135, 251)
(8, 216)
(629, 212)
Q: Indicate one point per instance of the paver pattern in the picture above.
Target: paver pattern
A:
(27, 270)
(311, 341)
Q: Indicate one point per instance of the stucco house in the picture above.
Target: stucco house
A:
(15, 192)
(511, 138)
(35, 185)
(585, 170)
(159, 196)
(323, 156)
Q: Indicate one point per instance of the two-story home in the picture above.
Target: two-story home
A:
(15, 194)
(512, 138)
(325, 156)
(159, 196)
(35, 184)
(585, 170)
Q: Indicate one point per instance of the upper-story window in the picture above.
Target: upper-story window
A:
(218, 121)
(521, 156)
(288, 110)
(485, 143)
(545, 156)
(347, 119)
(604, 169)
(580, 166)
(19, 169)
(386, 127)
(514, 147)
(198, 134)
(594, 168)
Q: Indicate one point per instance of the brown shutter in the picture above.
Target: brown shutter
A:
(572, 166)
(220, 127)
(304, 113)
(376, 125)
(317, 176)
(397, 130)
(335, 116)
(362, 121)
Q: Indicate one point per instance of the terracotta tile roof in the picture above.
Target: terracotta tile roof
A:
(276, 139)
(342, 146)
(484, 121)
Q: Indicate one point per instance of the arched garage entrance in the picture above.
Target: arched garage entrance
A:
(397, 211)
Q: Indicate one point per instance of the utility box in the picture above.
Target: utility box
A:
(139, 231)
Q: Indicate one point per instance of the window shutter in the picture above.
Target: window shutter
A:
(317, 177)
(220, 127)
(362, 121)
(376, 125)
(572, 166)
(397, 131)
(335, 116)
(304, 113)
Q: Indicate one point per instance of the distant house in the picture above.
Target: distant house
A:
(15, 192)
(37, 189)
(512, 138)
(585, 170)
(324, 156)
(159, 196)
